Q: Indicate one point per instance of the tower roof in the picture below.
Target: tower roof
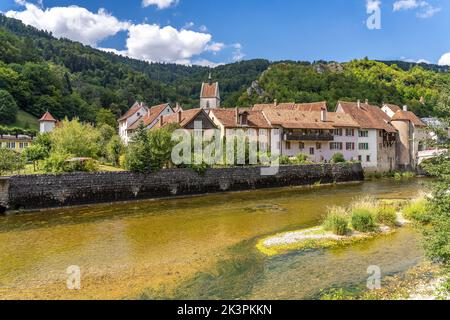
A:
(210, 90)
(47, 117)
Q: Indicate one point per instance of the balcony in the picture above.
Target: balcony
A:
(308, 137)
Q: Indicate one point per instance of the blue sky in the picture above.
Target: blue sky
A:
(221, 31)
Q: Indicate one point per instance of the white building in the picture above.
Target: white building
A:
(47, 123)
(140, 113)
(210, 95)
(376, 137)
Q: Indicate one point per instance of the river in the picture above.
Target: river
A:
(199, 247)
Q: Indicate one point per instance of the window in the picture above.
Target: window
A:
(360, 158)
(368, 158)
(336, 145)
(301, 145)
(363, 146)
(380, 133)
(318, 146)
(363, 133)
(350, 146)
(288, 145)
(337, 132)
(311, 151)
(11, 145)
(350, 132)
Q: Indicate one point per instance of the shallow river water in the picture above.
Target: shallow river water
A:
(201, 247)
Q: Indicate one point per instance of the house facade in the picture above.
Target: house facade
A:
(377, 137)
(413, 135)
(17, 143)
(139, 114)
(253, 123)
(317, 134)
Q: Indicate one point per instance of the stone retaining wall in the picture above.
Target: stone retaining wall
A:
(46, 191)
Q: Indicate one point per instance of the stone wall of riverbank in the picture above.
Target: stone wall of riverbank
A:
(47, 191)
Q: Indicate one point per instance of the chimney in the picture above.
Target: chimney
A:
(179, 116)
(275, 102)
(405, 108)
(359, 104)
(161, 121)
(323, 115)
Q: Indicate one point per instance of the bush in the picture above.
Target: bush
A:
(387, 215)
(338, 158)
(302, 158)
(285, 160)
(336, 221)
(363, 220)
(417, 211)
(55, 163)
(366, 203)
(81, 166)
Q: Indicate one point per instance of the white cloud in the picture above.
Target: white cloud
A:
(153, 43)
(215, 47)
(426, 10)
(203, 28)
(145, 41)
(445, 60)
(423, 61)
(407, 4)
(207, 63)
(71, 22)
(161, 4)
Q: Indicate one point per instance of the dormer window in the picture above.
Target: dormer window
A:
(243, 119)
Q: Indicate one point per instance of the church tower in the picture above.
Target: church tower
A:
(210, 95)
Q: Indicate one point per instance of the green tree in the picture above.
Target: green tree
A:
(437, 240)
(10, 161)
(8, 107)
(105, 116)
(75, 138)
(114, 149)
(138, 153)
(35, 153)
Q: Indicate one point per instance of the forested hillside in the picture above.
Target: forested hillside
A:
(39, 72)
(425, 92)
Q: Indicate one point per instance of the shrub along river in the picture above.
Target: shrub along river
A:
(200, 247)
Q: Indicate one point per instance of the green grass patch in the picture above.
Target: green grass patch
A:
(417, 211)
(25, 120)
(363, 220)
(337, 221)
(387, 215)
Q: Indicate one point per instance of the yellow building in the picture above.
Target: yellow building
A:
(17, 143)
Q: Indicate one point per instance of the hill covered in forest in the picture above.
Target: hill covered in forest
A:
(39, 72)
(426, 92)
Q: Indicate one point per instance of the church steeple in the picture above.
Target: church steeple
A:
(210, 94)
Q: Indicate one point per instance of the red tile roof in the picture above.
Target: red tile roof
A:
(291, 119)
(368, 116)
(135, 108)
(47, 117)
(314, 106)
(227, 117)
(393, 107)
(408, 116)
(186, 118)
(209, 90)
(152, 115)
